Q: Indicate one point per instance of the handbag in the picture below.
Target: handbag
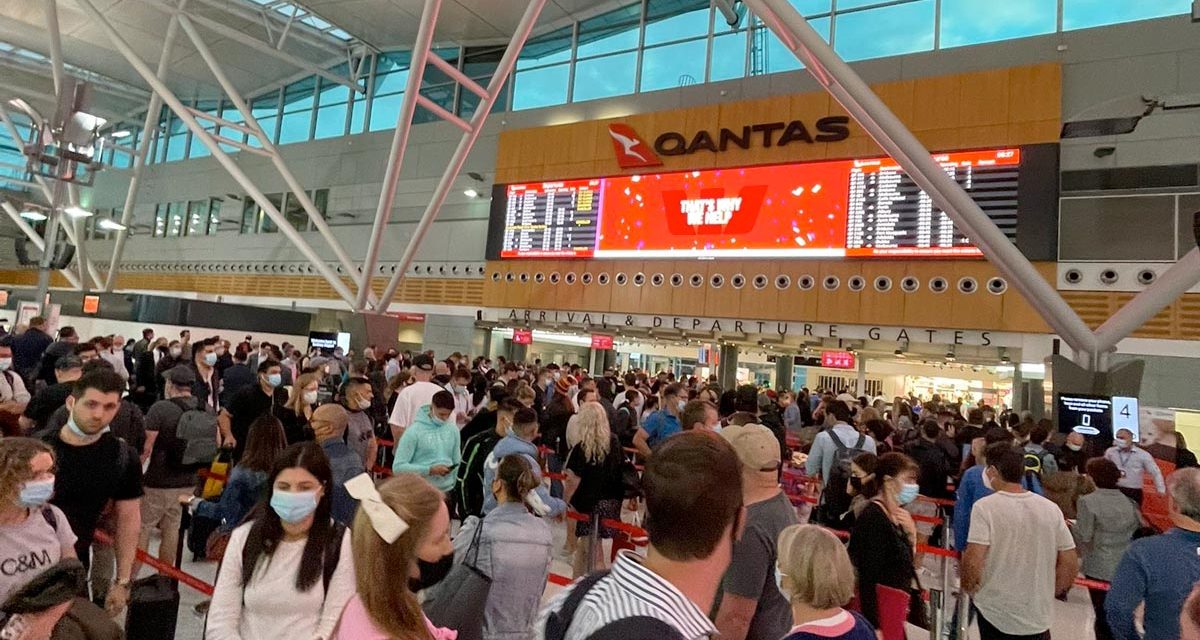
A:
(461, 598)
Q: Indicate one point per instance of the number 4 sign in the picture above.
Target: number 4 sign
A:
(1125, 415)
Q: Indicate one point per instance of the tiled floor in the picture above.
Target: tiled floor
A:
(1072, 619)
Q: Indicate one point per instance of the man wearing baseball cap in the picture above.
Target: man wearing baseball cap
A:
(416, 395)
(749, 604)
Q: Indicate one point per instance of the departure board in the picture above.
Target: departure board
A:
(551, 219)
(889, 215)
(865, 208)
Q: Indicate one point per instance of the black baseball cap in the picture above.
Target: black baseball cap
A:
(180, 376)
(423, 362)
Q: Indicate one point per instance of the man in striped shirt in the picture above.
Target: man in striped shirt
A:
(694, 513)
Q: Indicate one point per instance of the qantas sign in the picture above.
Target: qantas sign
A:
(633, 152)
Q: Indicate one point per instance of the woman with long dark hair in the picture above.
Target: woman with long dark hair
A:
(248, 482)
(288, 572)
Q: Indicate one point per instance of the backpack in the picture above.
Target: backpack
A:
(469, 483)
(1033, 470)
(631, 628)
(197, 430)
(834, 499)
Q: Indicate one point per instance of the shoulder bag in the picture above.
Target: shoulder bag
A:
(461, 598)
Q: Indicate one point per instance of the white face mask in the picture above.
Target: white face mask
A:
(175, 351)
(1074, 447)
(5, 364)
(364, 404)
(310, 397)
(987, 480)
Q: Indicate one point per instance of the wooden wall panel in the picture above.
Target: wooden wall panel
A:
(596, 296)
(570, 292)
(1017, 314)
(626, 298)
(723, 302)
(924, 308)
(841, 304)
(796, 304)
(978, 310)
(883, 308)
(688, 299)
(760, 303)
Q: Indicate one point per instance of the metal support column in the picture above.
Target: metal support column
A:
(139, 158)
(391, 175)
(56, 54)
(36, 239)
(1167, 288)
(218, 153)
(499, 77)
(52, 222)
(845, 85)
(860, 381)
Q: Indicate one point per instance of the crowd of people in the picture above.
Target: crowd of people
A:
(356, 495)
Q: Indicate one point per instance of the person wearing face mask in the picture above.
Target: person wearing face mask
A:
(1014, 582)
(166, 477)
(13, 395)
(430, 447)
(248, 404)
(883, 539)
(464, 405)
(404, 532)
(629, 413)
(96, 468)
(469, 487)
(30, 527)
(815, 576)
(207, 387)
(749, 603)
(357, 394)
(289, 571)
(520, 439)
(172, 358)
(1073, 455)
(662, 424)
(1134, 463)
(296, 414)
(112, 351)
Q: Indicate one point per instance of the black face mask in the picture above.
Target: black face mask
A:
(431, 573)
(856, 484)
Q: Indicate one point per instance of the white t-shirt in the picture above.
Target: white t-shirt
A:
(30, 547)
(411, 398)
(1017, 592)
(270, 607)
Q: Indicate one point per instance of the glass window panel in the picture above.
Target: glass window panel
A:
(214, 215)
(673, 65)
(266, 105)
(548, 49)
(176, 147)
(441, 95)
(331, 122)
(728, 57)
(540, 87)
(358, 116)
(854, 4)
(1081, 14)
(391, 83)
(269, 126)
(613, 31)
(332, 93)
(294, 127)
(250, 215)
(966, 22)
(299, 95)
(230, 113)
(320, 198)
(813, 7)
(395, 61)
(294, 212)
(197, 218)
(768, 55)
(468, 101)
(887, 31)
(384, 111)
(175, 214)
(669, 21)
(604, 77)
(266, 225)
(160, 221)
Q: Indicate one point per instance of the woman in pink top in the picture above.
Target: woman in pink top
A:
(401, 529)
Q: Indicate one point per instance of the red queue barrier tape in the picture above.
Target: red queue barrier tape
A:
(163, 568)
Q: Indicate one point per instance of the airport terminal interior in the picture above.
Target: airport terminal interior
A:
(463, 318)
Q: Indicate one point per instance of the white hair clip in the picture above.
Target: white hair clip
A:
(386, 523)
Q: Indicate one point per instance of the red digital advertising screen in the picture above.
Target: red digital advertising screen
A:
(837, 360)
(522, 336)
(602, 343)
(855, 208)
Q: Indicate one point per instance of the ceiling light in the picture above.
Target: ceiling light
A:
(123, 133)
(471, 193)
(36, 216)
(78, 212)
(110, 224)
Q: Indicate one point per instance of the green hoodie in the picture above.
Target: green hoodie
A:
(425, 443)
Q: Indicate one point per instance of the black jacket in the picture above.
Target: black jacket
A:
(936, 464)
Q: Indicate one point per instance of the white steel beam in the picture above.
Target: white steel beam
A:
(36, 240)
(219, 154)
(499, 77)
(268, 146)
(56, 54)
(443, 113)
(74, 230)
(460, 77)
(1167, 288)
(254, 16)
(391, 175)
(139, 157)
(228, 124)
(845, 85)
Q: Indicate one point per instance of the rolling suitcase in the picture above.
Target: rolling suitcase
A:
(154, 600)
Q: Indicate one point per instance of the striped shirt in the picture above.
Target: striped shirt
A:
(631, 590)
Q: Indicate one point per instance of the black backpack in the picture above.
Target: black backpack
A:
(834, 500)
(632, 628)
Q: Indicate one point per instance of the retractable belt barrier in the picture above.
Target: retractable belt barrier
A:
(163, 568)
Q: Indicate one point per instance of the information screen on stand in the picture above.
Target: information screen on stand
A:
(1098, 417)
(867, 208)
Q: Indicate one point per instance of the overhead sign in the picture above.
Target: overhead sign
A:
(408, 317)
(522, 336)
(632, 152)
(843, 208)
(602, 342)
(767, 134)
(91, 304)
(837, 360)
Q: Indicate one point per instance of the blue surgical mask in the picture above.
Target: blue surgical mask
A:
(681, 404)
(36, 493)
(275, 379)
(292, 507)
(908, 493)
(210, 359)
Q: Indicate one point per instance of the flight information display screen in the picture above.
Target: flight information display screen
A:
(843, 208)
